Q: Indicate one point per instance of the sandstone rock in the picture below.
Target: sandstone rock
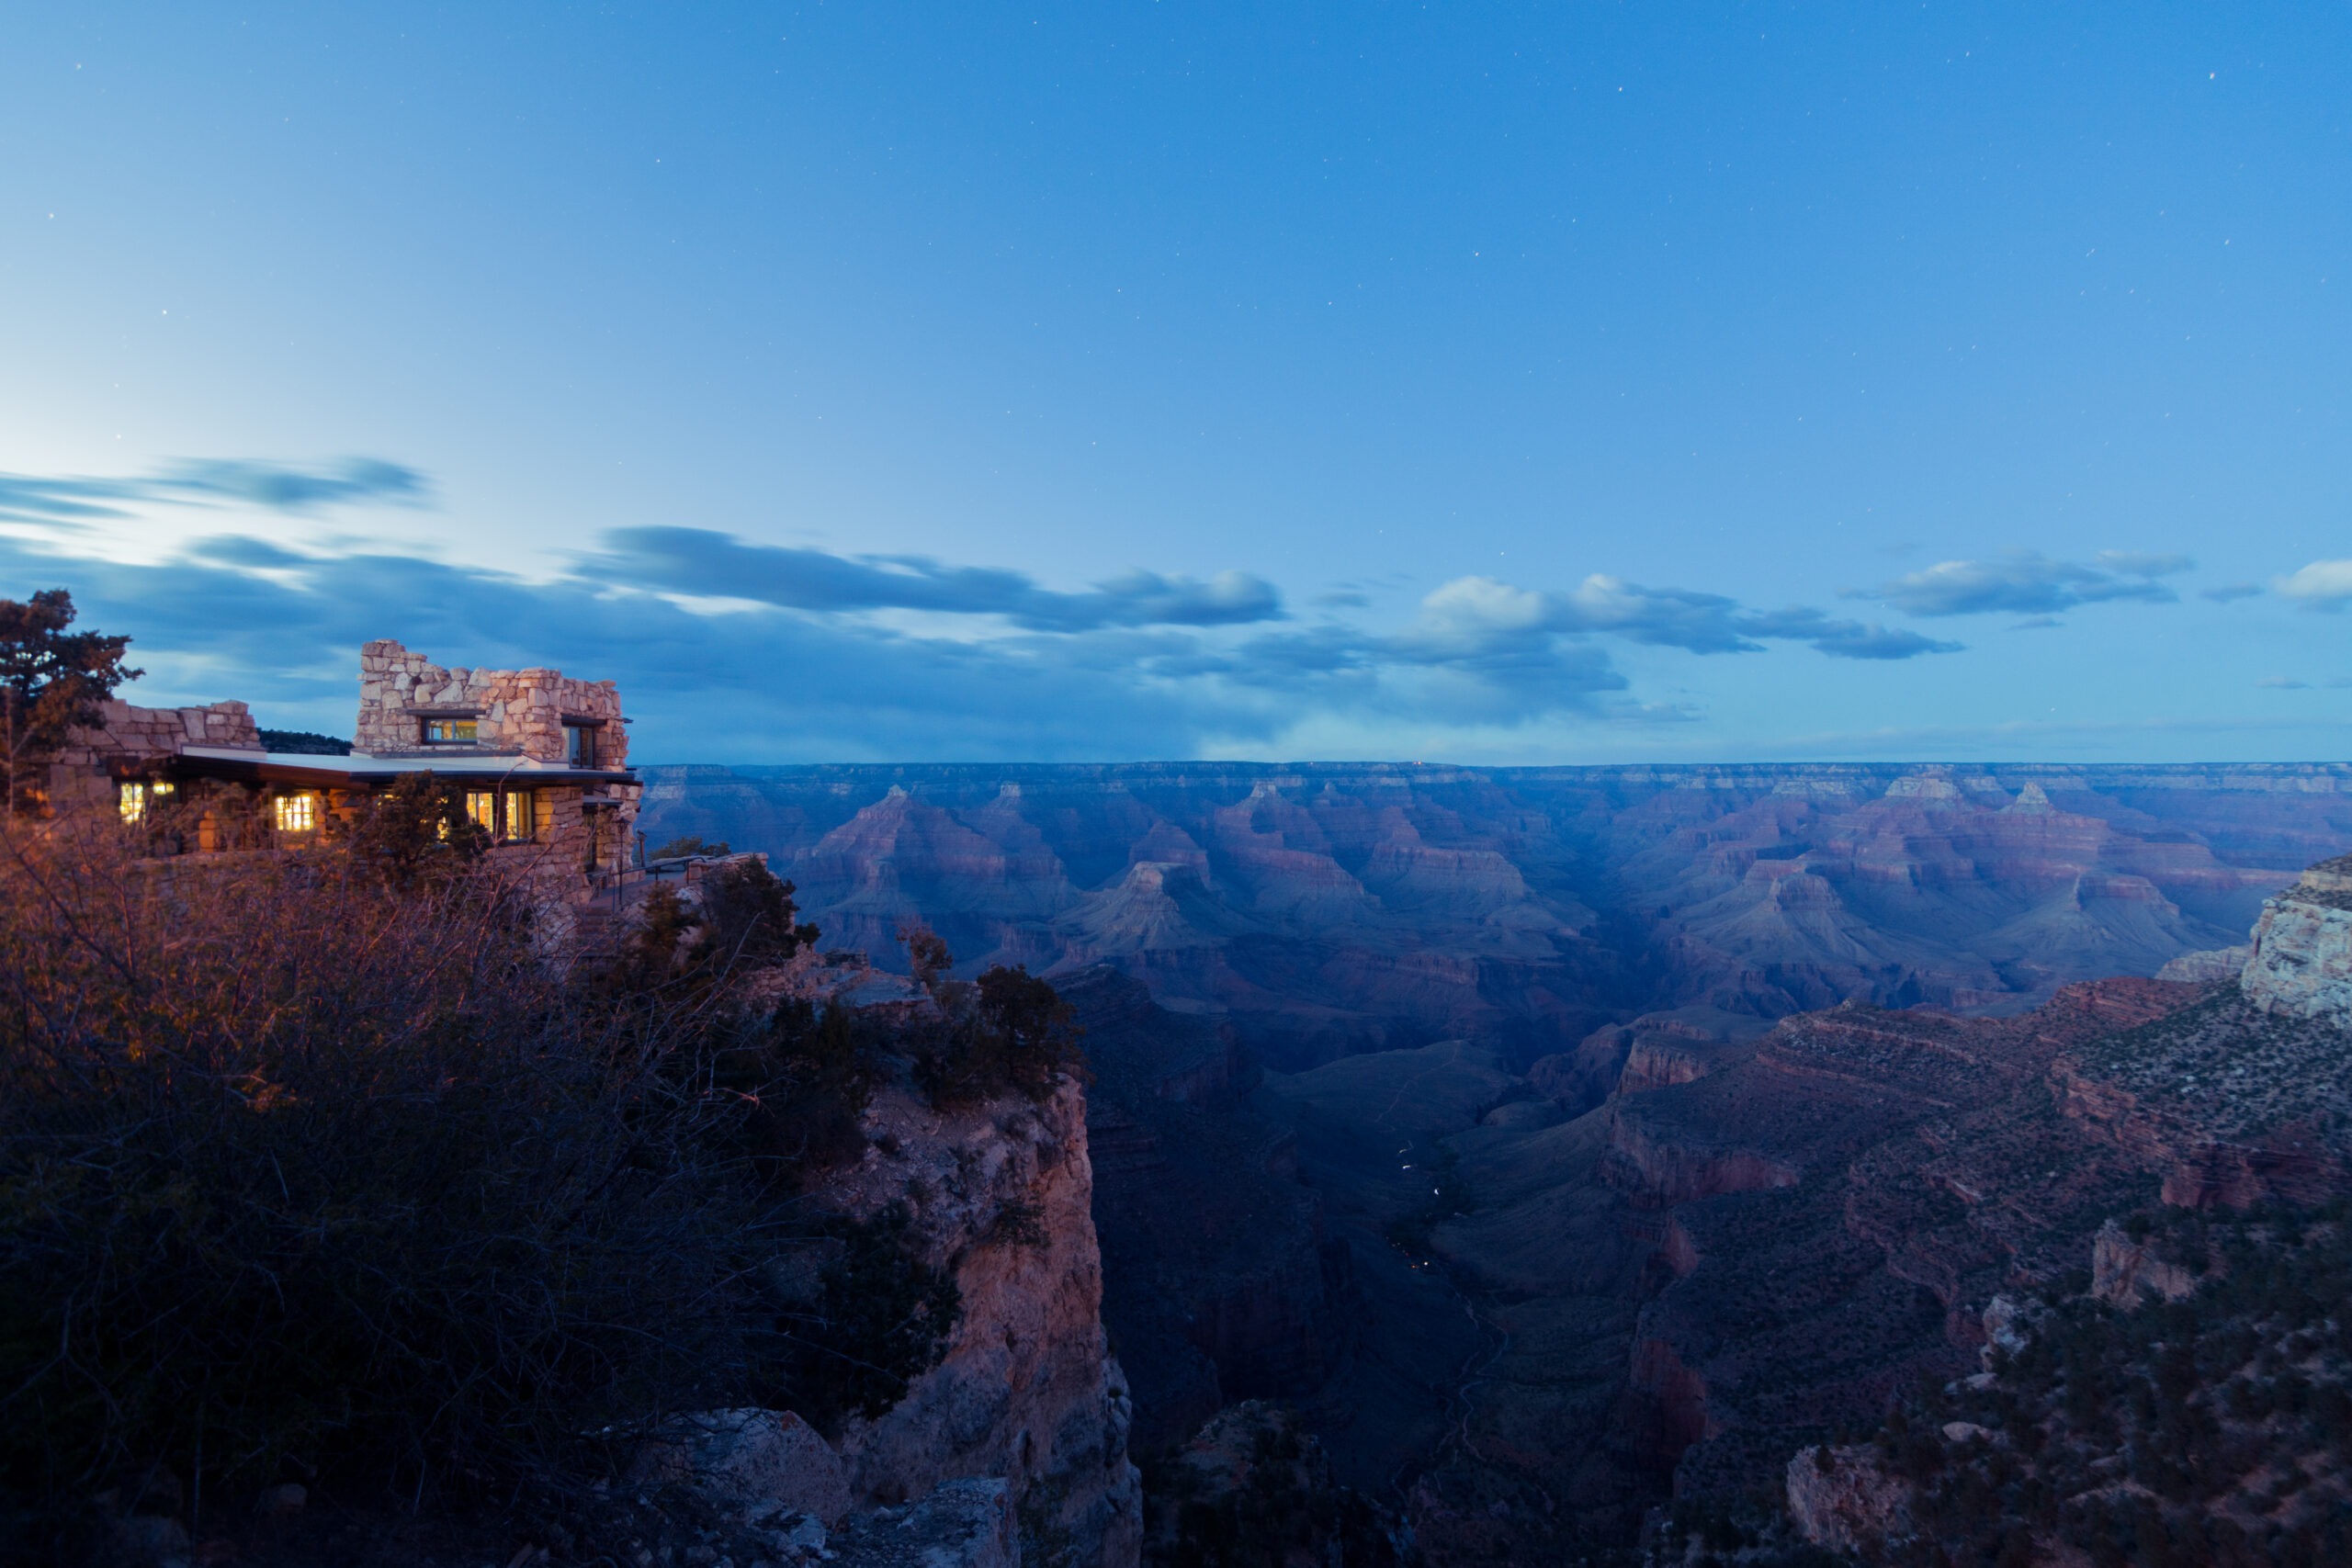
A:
(1845, 1501)
(2208, 965)
(2124, 1272)
(961, 1523)
(750, 1463)
(1027, 1389)
(2301, 963)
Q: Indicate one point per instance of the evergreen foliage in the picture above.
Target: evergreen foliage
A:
(50, 681)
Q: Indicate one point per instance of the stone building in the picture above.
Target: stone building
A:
(540, 762)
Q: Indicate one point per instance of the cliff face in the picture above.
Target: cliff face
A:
(2301, 963)
(1027, 1391)
(1221, 1282)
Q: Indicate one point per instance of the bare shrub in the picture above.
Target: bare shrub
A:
(307, 1168)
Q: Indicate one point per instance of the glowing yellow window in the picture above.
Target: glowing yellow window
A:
(296, 813)
(482, 809)
(452, 731)
(522, 815)
(133, 797)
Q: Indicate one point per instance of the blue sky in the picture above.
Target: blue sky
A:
(1543, 383)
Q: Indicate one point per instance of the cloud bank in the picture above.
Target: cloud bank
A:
(739, 650)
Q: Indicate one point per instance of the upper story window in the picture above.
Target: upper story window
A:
(580, 745)
(452, 731)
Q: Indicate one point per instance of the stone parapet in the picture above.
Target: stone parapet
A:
(519, 712)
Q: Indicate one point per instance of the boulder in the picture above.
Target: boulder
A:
(750, 1464)
(961, 1523)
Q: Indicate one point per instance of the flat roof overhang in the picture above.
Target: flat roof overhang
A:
(314, 771)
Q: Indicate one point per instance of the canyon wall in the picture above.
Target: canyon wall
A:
(1324, 909)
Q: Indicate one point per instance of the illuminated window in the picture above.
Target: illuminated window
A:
(522, 815)
(482, 809)
(297, 813)
(451, 731)
(139, 796)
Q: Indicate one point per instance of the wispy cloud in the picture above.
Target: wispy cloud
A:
(2229, 592)
(2322, 585)
(2027, 584)
(701, 562)
(2283, 683)
(1666, 618)
(72, 500)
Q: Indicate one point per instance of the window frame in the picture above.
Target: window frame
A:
(427, 723)
(301, 803)
(486, 816)
(582, 742)
(509, 802)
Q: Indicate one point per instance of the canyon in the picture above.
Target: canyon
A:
(1331, 908)
(1558, 1144)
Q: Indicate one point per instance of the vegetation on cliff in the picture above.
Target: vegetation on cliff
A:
(321, 1168)
(2213, 1429)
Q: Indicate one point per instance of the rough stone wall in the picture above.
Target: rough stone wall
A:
(80, 776)
(2302, 965)
(1003, 1194)
(518, 711)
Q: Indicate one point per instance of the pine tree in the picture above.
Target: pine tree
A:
(50, 681)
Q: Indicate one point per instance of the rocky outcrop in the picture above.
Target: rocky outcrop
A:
(2204, 968)
(1658, 1166)
(2125, 1271)
(2301, 963)
(761, 1468)
(960, 1524)
(1026, 1392)
(1840, 1498)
